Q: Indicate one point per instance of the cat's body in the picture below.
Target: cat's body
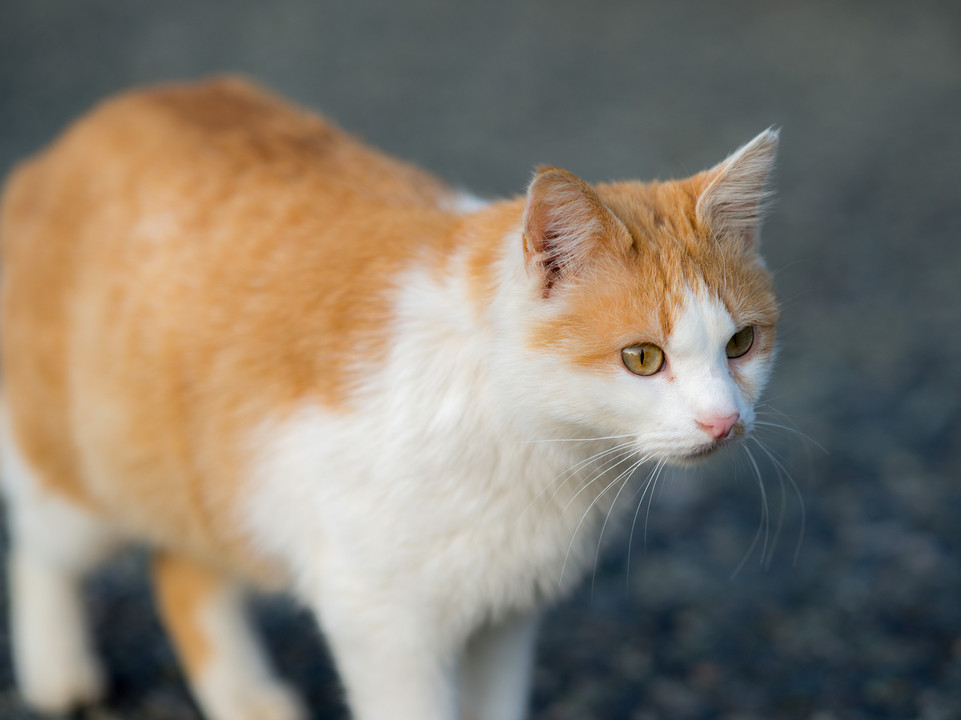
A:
(233, 332)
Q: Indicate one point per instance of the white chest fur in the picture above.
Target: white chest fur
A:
(429, 487)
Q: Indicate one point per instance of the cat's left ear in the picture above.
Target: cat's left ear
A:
(733, 202)
(566, 228)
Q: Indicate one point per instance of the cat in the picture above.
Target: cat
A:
(280, 358)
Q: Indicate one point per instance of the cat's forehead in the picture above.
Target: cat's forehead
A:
(653, 208)
(679, 262)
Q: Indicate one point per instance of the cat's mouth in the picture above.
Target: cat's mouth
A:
(737, 433)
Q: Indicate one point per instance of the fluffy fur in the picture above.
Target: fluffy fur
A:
(279, 357)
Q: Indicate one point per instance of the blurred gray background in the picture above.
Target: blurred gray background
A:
(863, 620)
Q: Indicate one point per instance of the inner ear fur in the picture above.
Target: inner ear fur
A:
(566, 226)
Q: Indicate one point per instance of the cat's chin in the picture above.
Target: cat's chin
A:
(702, 453)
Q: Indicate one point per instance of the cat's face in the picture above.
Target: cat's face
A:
(655, 303)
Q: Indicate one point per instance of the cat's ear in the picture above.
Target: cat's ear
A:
(565, 226)
(733, 202)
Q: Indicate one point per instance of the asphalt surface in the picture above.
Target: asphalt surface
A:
(855, 610)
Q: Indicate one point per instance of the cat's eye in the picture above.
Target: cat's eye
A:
(645, 359)
(740, 342)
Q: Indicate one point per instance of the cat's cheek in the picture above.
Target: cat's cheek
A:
(749, 376)
(667, 409)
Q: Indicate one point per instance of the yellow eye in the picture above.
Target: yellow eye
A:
(740, 342)
(644, 359)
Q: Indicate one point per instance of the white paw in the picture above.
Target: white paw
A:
(62, 684)
(265, 700)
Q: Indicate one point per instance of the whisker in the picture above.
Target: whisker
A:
(650, 500)
(587, 439)
(783, 473)
(624, 448)
(608, 466)
(572, 471)
(593, 502)
(788, 428)
(781, 508)
(764, 524)
(647, 484)
(768, 408)
(597, 553)
(789, 265)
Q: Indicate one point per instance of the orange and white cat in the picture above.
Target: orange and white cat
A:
(278, 357)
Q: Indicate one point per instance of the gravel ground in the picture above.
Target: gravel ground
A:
(863, 619)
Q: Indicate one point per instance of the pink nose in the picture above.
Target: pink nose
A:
(718, 427)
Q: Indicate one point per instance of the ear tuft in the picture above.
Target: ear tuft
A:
(564, 223)
(734, 201)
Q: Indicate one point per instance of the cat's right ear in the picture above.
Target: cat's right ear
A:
(733, 203)
(565, 226)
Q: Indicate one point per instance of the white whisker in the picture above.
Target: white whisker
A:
(607, 466)
(648, 482)
(650, 501)
(763, 524)
(788, 428)
(586, 439)
(783, 473)
(624, 448)
(625, 473)
(597, 553)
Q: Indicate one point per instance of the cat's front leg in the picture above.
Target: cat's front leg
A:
(496, 669)
(394, 662)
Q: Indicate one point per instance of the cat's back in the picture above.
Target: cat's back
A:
(219, 167)
(217, 128)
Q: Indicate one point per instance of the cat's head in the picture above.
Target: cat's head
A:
(654, 315)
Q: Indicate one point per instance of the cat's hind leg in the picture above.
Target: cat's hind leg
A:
(205, 614)
(53, 544)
